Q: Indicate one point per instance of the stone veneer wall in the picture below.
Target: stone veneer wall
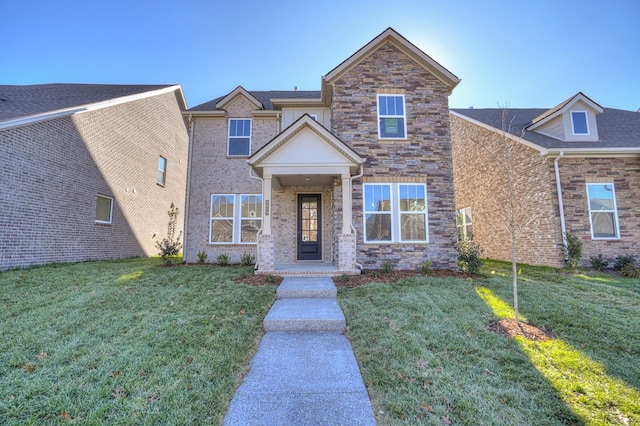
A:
(424, 156)
(480, 183)
(575, 173)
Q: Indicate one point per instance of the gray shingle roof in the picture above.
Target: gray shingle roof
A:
(23, 101)
(264, 97)
(616, 128)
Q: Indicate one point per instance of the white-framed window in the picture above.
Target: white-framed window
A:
(104, 209)
(464, 224)
(579, 123)
(235, 218)
(239, 143)
(603, 212)
(395, 212)
(162, 170)
(392, 123)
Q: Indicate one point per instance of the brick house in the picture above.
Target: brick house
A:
(578, 170)
(88, 171)
(334, 180)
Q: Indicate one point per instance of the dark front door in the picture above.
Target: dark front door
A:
(309, 227)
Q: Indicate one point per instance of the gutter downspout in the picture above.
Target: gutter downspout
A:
(187, 198)
(255, 267)
(563, 225)
(359, 175)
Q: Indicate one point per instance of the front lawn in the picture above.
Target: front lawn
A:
(427, 357)
(125, 342)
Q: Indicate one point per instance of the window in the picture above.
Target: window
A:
(579, 123)
(162, 170)
(104, 209)
(395, 212)
(234, 222)
(464, 224)
(239, 137)
(603, 214)
(391, 117)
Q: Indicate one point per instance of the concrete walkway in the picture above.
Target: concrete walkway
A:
(304, 372)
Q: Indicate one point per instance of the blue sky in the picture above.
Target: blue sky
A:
(515, 53)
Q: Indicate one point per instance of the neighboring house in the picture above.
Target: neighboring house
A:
(344, 177)
(578, 170)
(88, 171)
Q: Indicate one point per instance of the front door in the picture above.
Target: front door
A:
(309, 227)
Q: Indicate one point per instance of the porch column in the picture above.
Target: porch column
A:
(346, 203)
(265, 239)
(266, 199)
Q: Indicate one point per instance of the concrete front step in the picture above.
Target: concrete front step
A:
(309, 314)
(305, 288)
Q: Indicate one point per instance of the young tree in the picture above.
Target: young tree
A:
(170, 245)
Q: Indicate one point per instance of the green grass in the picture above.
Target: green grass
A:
(125, 342)
(427, 357)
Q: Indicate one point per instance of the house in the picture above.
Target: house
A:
(578, 170)
(88, 171)
(335, 180)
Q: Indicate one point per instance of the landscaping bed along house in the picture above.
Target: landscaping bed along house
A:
(130, 342)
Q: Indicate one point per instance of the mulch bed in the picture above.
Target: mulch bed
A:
(511, 328)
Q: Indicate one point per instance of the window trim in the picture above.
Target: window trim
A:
(237, 218)
(403, 116)
(614, 211)
(586, 122)
(229, 137)
(395, 213)
(104, 222)
(163, 171)
(463, 224)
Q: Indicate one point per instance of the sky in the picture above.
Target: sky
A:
(518, 54)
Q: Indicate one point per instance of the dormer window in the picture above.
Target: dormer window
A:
(579, 123)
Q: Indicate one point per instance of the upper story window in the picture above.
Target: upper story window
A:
(104, 209)
(579, 123)
(239, 137)
(162, 170)
(391, 117)
(603, 213)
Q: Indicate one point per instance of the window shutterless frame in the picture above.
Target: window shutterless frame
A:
(162, 170)
(392, 117)
(235, 218)
(239, 137)
(603, 211)
(104, 209)
(579, 123)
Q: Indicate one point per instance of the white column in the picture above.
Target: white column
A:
(266, 199)
(346, 203)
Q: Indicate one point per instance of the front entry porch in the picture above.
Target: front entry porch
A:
(307, 269)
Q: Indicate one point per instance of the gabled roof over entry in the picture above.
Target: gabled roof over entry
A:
(306, 147)
(392, 37)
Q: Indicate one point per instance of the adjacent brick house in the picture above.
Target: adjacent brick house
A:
(88, 171)
(346, 176)
(577, 170)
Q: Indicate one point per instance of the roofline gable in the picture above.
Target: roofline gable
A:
(238, 91)
(560, 109)
(397, 40)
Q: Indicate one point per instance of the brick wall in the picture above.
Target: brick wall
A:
(426, 154)
(480, 183)
(52, 171)
(575, 173)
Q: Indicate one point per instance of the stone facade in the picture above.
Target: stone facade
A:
(57, 168)
(425, 156)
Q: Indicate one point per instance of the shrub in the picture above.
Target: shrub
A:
(624, 260)
(598, 262)
(170, 245)
(223, 259)
(469, 256)
(247, 259)
(202, 257)
(386, 266)
(270, 279)
(571, 250)
(630, 270)
(344, 278)
(425, 267)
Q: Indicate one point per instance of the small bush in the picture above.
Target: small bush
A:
(270, 279)
(170, 245)
(344, 278)
(247, 259)
(202, 257)
(425, 267)
(223, 259)
(624, 260)
(572, 250)
(630, 270)
(386, 266)
(598, 262)
(469, 256)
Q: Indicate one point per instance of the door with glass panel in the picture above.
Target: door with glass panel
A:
(309, 227)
